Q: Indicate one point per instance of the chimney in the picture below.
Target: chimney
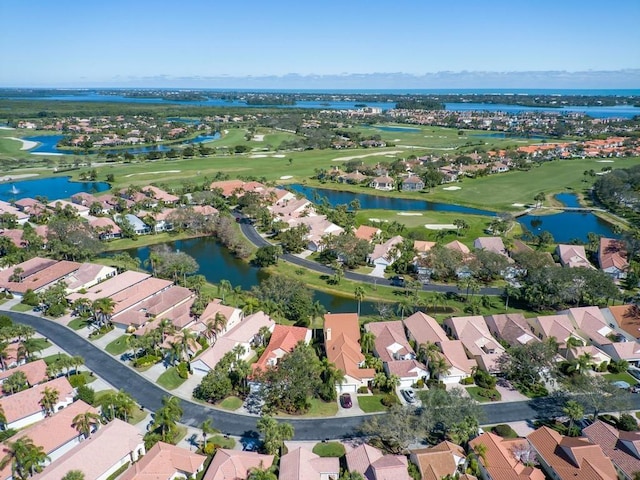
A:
(327, 334)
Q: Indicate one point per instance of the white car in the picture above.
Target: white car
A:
(409, 395)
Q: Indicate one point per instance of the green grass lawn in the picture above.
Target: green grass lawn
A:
(54, 358)
(118, 346)
(21, 307)
(137, 416)
(474, 392)
(318, 409)
(40, 344)
(170, 379)
(231, 403)
(78, 323)
(371, 403)
(623, 376)
(329, 449)
(222, 441)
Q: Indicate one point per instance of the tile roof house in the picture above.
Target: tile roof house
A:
(232, 315)
(458, 246)
(596, 355)
(490, 244)
(627, 319)
(111, 287)
(106, 228)
(477, 340)
(36, 372)
(436, 462)
(37, 274)
(558, 326)
(165, 462)
(422, 328)
(55, 434)
(365, 232)
(511, 328)
(23, 408)
(407, 371)
(422, 247)
(501, 462)
(319, 227)
(373, 465)
(570, 458)
(293, 208)
(235, 464)
(341, 339)
(284, 339)
(591, 324)
(88, 275)
(112, 446)
(391, 343)
(412, 183)
(243, 334)
(612, 258)
(228, 187)
(302, 464)
(629, 351)
(383, 182)
(573, 256)
(623, 448)
(159, 194)
(384, 254)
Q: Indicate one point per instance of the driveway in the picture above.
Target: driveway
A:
(355, 409)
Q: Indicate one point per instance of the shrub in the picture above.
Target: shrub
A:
(434, 383)
(77, 380)
(30, 298)
(467, 381)
(627, 423)
(504, 431)
(484, 379)
(389, 399)
(363, 390)
(183, 370)
(86, 394)
(492, 395)
(5, 321)
(209, 449)
(602, 367)
(420, 383)
(146, 361)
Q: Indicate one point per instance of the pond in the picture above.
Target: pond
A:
(216, 263)
(53, 188)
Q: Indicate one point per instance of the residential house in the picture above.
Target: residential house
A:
(511, 328)
(80, 210)
(28, 206)
(159, 194)
(372, 464)
(85, 199)
(302, 464)
(88, 275)
(284, 339)
(341, 340)
(165, 462)
(384, 255)
(558, 327)
(111, 287)
(573, 256)
(407, 371)
(55, 434)
(626, 318)
(138, 226)
(101, 455)
(23, 408)
(442, 460)
(243, 334)
(504, 458)
(319, 227)
(590, 323)
(423, 329)
(294, 208)
(16, 235)
(612, 258)
(36, 274)
(35, 372)
(422, 247)
(623, 448)
(236, 464)
(477, 340)
(383, 182)
(490, 244)
(232, 316)
(20, 216)
(353, 178)
(228, 187)
(596, 355)
(365, 232)
(459, 247)
(106, 228)
(628, 351)
(570, 458)
(412, 183)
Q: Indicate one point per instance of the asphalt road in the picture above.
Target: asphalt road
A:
(254, 237)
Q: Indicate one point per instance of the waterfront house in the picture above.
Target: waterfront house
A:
(412, 183)
(383, 182)
(490, 244)
(284, 339)
(105, 228)
(6, 208)
(573, 256)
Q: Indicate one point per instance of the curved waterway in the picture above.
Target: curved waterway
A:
(216, 263)
(53, 188)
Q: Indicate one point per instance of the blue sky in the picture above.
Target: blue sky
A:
(187, 43)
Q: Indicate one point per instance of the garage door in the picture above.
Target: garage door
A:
(347, 388)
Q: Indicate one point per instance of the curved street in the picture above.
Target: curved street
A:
(150, 395)
(254, 237)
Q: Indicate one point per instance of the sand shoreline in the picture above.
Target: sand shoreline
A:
(11, 178)
(26, 144)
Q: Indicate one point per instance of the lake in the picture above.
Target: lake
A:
(564, 226)
(617, 111)
(49, 144)
(216, 263)
(53, 188)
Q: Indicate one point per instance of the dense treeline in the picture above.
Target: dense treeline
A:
(619, 191)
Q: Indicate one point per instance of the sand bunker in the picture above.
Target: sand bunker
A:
(440, 226)
(258, 138)
(153, 173)
(605, 161)
(279, 155)
(517, 204)
(286, 177)
(377, 220)
(258, 156)
(452, 188)
(377, 154)
(410, 214)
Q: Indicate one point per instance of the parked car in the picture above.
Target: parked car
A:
(397, 281)
(409, 395)
(345, 400)
(634, 372)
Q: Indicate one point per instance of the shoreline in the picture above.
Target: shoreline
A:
(26, 144)
(10, 178)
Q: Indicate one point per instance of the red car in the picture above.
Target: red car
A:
(345, 400)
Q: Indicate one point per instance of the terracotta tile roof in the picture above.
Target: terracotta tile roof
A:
(384, 250)
(511, 327)
(27, 402)
(474, 334)
(491, 244)
(342, 334)
(163, 462)
(235, 464)
(620, 447)
(301, 464)
(612, 254)
(283, 340)
(365, 232)
(88, 273)
(214, 307)
(628, 318)
(112, 286)
(406, 369)
(98, 454)
(501, 462)
(35, 278)
(438, 461)
(572, 458)
(421, 246)
(35, 372)
(591, 321)
(138, 292)
(573, 256)
(556, 326)
(424, 328)
(228, 187)
(454, 354)
(458, 247)
(391, 343)
(373, 465)
(15, 235)
(160, 194)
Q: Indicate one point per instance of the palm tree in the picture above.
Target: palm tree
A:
(575, 412)
(25, 457)
(438, 299)
(582, 364)
(103, 308)
(3, 417)
(438, 367)
(167, 416)
(359, 293)
(427, 352)
(207, 429)
(367, 342)
(76, 362)
(480, 449)
(331, 376)
(85, 422)
(405, 306)
(274, 433)
(261, 474)
(49, 399)
(165, 326)
(74, 475)
(224, 287)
